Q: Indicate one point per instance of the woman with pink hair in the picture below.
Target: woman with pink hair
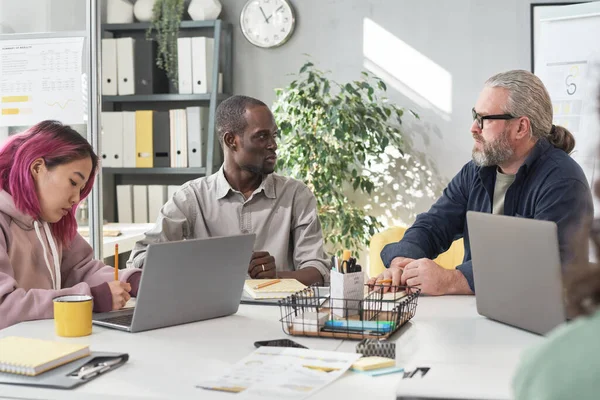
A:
(44, 173)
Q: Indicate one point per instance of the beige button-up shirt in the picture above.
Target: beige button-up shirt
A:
(281, 212)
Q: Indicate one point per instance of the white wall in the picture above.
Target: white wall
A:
(24, 16)
(462, 41)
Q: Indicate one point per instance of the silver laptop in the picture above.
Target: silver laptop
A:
(186, 281)
(517, 271)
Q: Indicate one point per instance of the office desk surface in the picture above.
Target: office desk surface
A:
(167, 363)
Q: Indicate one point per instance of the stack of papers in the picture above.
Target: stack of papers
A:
(279, 290)
(281, 373)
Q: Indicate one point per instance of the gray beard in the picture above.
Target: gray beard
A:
(493, 153)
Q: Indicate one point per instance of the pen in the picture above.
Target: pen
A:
(116, 262)
(384, 281)
(264, 284)
(346, 255)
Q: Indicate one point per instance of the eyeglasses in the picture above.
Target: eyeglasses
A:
(479, 118)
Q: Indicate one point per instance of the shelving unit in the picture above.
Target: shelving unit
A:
(222, 33)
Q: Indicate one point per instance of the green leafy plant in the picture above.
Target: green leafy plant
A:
(166, 18)
(332, 138)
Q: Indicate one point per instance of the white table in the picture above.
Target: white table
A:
(130, 234)
(167, 363)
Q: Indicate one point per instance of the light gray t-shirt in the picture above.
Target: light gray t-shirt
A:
(503, 182)
(282, 212)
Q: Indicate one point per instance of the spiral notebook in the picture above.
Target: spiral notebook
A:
(25, 356)
(279, 290)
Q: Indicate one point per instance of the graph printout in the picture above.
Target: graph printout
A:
(41, 79)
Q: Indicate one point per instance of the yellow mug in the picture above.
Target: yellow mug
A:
(73, 315)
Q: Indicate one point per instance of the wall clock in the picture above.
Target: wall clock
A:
(267, 23)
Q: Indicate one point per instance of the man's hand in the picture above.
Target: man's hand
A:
(429, 277)
(394, 272)
(262, 266)
(120, 293)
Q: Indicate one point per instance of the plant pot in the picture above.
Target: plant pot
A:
(143, 10)
(202, 10)
(119, 12)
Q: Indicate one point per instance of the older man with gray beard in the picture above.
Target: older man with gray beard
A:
(521, 167)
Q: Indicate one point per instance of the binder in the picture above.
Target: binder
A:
(197, 135)
(184, 62)
(129, 133)
(125, 62)
(149, 78)
(70, 375)
(112, 139)
(202, 62)
(125, 204)
(109, 67)
(178, 135)
(140, 204)
(143, 139)
(161, 139)
(157, 197)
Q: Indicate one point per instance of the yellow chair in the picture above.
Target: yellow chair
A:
(449, 260)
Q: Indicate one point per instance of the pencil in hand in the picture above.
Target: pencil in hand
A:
(116, 262)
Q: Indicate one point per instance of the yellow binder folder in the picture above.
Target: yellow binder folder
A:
(144, 150)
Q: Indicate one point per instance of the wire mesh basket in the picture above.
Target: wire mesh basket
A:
(312, 312)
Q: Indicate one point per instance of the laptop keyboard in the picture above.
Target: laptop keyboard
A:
(123, 320)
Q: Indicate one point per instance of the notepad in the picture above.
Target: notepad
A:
(31, 357)
(371, 363)
(279, 290)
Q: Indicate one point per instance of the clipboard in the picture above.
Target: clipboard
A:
(70, 375)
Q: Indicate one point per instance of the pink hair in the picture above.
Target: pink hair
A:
(56, 144)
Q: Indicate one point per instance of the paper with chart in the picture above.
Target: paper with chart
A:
(565, 84)
(41, 79)
(278, 372)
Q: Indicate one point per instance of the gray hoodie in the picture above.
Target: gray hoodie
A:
(35, 268)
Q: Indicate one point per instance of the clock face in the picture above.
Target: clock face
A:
(267, 23)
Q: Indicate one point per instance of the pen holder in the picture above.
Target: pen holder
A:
(347, 292)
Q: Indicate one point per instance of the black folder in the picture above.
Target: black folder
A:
(161, 139)
(149, 79)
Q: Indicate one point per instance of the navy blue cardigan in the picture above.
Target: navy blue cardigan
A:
(550, 185)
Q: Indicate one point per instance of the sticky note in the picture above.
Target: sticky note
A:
(371, 363)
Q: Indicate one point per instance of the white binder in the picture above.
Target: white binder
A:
(125, 204)
(184, 62)
(202, 62)
(129, 155)
(109, 67)
(157, 197)
(140, 204)
(125, 63)
(197, 134)
(178, 135)
(112, 139)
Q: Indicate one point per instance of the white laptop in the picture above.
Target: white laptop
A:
(186, 281)
(517, 271)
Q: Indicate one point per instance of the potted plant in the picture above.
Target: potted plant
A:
(166, 18)
(332, 137)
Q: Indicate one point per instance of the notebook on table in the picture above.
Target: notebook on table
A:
(70, 375)
(279, 290)
(31, 357)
